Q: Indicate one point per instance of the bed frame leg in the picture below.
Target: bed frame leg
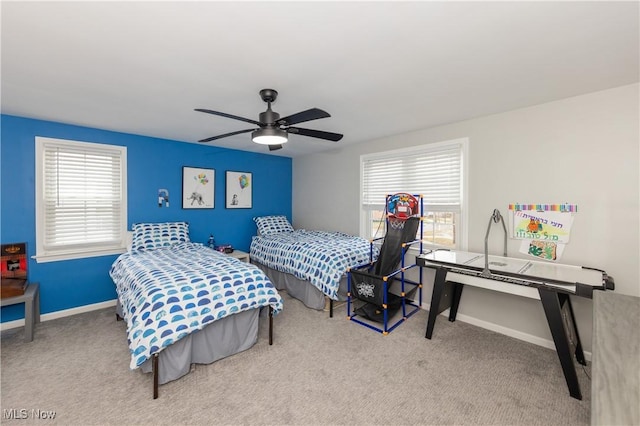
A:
(330, 308)
(154, 364)
(270, 325)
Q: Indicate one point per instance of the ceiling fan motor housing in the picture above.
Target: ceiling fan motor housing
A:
(269, 117)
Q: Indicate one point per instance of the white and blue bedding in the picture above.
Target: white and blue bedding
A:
(170, 292)
(320, 257)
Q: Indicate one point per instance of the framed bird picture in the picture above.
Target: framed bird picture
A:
(239, 190)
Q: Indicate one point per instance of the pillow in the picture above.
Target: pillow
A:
(269, 225)
(149, 236)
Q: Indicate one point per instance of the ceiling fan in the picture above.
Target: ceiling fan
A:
(272, 130)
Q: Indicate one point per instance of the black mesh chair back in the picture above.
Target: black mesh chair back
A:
(391, 250)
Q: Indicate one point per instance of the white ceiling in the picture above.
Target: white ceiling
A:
(379, 68)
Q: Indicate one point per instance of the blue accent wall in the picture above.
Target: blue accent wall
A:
(152, 164)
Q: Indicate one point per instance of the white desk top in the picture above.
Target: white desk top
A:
(529, 270)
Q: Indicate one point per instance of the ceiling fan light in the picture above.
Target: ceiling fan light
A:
(269, 136)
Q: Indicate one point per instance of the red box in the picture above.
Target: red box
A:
(13, 268)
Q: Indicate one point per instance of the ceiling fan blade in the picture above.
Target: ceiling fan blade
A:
(213, 138)
(335, 137)
(235, 117)
(274, 147)
(301, 117)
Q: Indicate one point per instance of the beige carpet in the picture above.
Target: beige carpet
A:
(319, 371)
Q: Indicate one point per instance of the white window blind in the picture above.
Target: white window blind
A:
(434, 172)
(81, 199)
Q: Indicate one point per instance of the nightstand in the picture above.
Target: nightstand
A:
(240, 255)
(31, 300)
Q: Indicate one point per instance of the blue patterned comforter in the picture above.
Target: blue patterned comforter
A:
(320, 257)
(170, 292)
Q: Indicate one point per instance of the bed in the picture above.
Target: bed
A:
(310, 265)
(185, 303)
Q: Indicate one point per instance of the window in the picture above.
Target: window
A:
(436, 171)
(81, 199)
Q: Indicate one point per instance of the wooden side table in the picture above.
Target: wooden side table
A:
(240, 255)
(31, 300)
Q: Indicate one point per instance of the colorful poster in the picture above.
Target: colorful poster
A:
(544, 226)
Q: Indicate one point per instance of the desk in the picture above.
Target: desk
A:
(31, 300)
(551, 283)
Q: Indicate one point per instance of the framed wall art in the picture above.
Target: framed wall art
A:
(198, 188)
(239, 187)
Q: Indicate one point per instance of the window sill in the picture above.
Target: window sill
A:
(44, 258)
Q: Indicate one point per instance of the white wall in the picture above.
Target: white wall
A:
(582, 150)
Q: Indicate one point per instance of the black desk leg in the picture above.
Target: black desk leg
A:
(552, 304)
(455, 302)
(438, 289)
(565, 302)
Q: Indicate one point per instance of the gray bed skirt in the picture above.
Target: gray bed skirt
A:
(220, 339)
(302, 290)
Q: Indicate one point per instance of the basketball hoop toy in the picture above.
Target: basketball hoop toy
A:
(400, 207)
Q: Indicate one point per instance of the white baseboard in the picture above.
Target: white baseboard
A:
(536, 340)
(60, 314)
